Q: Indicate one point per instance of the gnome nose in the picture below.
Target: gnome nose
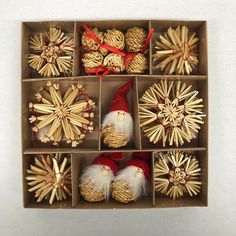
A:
(139, 173)
(120, 115)
(105, 170)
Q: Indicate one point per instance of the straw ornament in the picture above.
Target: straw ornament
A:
(115, 38)
(176, 51)
(92, 60)
(51, 53)
(135, 39)
(177, 174)
(88, 43)
(138, 64)
(62, 116)
(170, 112)
(114, 62)
(50, 177)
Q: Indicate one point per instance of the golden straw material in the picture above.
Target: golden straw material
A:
(115, 38)
(89, 192)
(51, 53)
(171, 112)
(177, 51)
(62, 116)
(49, 177)
(92, 60)
(114, 62)
(138, 64)
(121, 192)
(135, 39)
(113, 139)
(177, 174)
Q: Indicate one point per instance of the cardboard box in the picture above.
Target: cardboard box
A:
(102, 90)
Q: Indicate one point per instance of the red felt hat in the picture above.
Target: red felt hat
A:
(141, 160)
(109, 159)
(120, 101)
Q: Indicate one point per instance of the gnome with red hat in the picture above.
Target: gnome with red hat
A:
(131, 182)
(117, 126)
(96, 180)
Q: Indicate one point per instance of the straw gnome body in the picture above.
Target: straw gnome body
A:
(117, 126)
(130, 183)
(96, 180)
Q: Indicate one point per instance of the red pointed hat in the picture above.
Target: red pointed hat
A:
(109, 159)
(141, 160)
(120, 101)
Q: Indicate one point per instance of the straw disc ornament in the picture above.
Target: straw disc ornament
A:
(117, 126)
(177, 174)
(114, 62)
(92, 60)
(135, 39)
(170, 112)
(50, 177)
(51, 53)
(138, 64)
(96, 179)
(58, 116)
(131, 182)
(176, 52)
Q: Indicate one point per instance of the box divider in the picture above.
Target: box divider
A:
(75, 71)
(100, 115)
(150, 48)
(137, 134)
(152, 182)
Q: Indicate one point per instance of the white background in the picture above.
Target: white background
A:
(218, 219)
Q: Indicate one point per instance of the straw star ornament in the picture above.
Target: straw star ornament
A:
(50, 177)
(176, 51)
(176, 174)
(170, 112)
(51, 53)
(58, 116)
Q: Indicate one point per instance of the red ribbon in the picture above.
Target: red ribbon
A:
(147, 40)
(105, 71)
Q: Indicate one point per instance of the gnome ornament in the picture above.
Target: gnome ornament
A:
(131, 182)
(96, 180)
(117, 126)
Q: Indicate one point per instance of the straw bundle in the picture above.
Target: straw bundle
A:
(176, 174)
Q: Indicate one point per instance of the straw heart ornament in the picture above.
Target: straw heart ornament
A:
(51, 53)
(59, 116)
(170, 112)
(176, 51)
(49, 177)
(176, 174)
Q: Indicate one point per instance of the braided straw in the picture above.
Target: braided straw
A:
(121, 192)
(112, 139)
(138, 64)
(92, 60)
(135, 39)
(114, 62)
(89, 193)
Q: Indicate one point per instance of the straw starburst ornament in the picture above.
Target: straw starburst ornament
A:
(176, 52)
(50, 177)
(51, 53)
(176, 174)
(170, 112)
(57, 116)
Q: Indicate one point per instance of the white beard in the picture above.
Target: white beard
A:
(93, 173)
(137, 184)
(125, 126)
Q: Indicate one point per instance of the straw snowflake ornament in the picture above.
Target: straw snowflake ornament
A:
(177, 174)
(50, 177)
(51, 53)
(61, 116)
(176, 51)
(170, 112)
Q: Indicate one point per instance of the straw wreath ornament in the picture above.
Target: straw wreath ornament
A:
(50, 177)
(51, 53)
(170, 112)
(176, 174)
(135, 39)
(57, 116)
(176, 51)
